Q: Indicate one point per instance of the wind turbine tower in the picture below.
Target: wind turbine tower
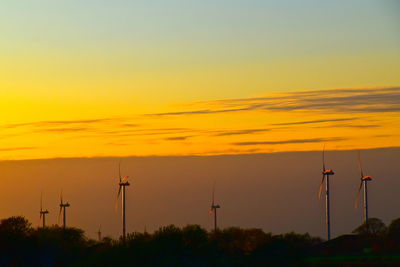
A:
(326, 173)
(364, 181)
(63, 208)
(42, 216)
(123, 183)
(214, 208)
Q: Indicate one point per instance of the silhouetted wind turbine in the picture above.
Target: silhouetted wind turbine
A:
(123, 182)
(99, 233)
(364, 181)
(42, 216)
(326, 173)
(214, 208)
(63, 207)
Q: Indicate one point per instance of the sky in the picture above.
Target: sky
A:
(84, 79)
(277, 192)
(182, 80)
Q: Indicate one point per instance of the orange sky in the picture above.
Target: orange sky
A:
(355, 118)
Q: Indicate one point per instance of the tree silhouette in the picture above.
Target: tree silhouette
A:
(374, 228)
(192, 245)
(16, 225)
(393, 230)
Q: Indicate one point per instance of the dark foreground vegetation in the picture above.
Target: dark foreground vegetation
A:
(22, 245)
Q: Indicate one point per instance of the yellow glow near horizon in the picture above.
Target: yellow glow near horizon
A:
(296, 121)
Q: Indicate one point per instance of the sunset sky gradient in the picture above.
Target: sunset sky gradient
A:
(120, 78)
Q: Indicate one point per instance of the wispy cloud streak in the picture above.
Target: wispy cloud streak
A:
(292, 141)
(16, 148)
(374, 100)
(56, 123)
(241, 132)
(314, 121)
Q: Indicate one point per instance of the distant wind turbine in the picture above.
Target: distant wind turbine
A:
(213, 209)
(63, 207)
(326, 173)
(42, 216)
(99, 233)
(364, 181)
(123, 182)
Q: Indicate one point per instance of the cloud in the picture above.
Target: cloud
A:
(333, 101)
(194, 112)
(241, 132)
(64, 130)
(177, 138)
(361, 126)
(236, 151)
(130, 125)
(315, 121)
(72, 122)
(57, 123)
(382, 135)
(292, 141)
(16, 148)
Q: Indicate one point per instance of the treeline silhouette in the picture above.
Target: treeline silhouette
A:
(192, 245)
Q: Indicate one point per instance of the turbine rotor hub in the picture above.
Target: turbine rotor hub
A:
(328, 172)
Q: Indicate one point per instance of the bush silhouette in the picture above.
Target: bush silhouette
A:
(192, 245)
(393, 230)
(374, 228)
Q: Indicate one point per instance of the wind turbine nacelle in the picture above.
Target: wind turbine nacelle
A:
(328, 172)
(216, 207)
(367, 178)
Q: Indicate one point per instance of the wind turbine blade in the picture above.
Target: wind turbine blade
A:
(59, 214)
(116, 201)
(119, 171)
(119, 191)
(321, 186)
(323, 158)
(359, 165)
(40, 219)
(213, 193)
(358, 195)
(61, 197)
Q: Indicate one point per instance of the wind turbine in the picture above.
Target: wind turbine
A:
(42, 216)
(326, 173)
(214, 208)
(123, 182)
(364, 181)
(99, 233)
(63, 207)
